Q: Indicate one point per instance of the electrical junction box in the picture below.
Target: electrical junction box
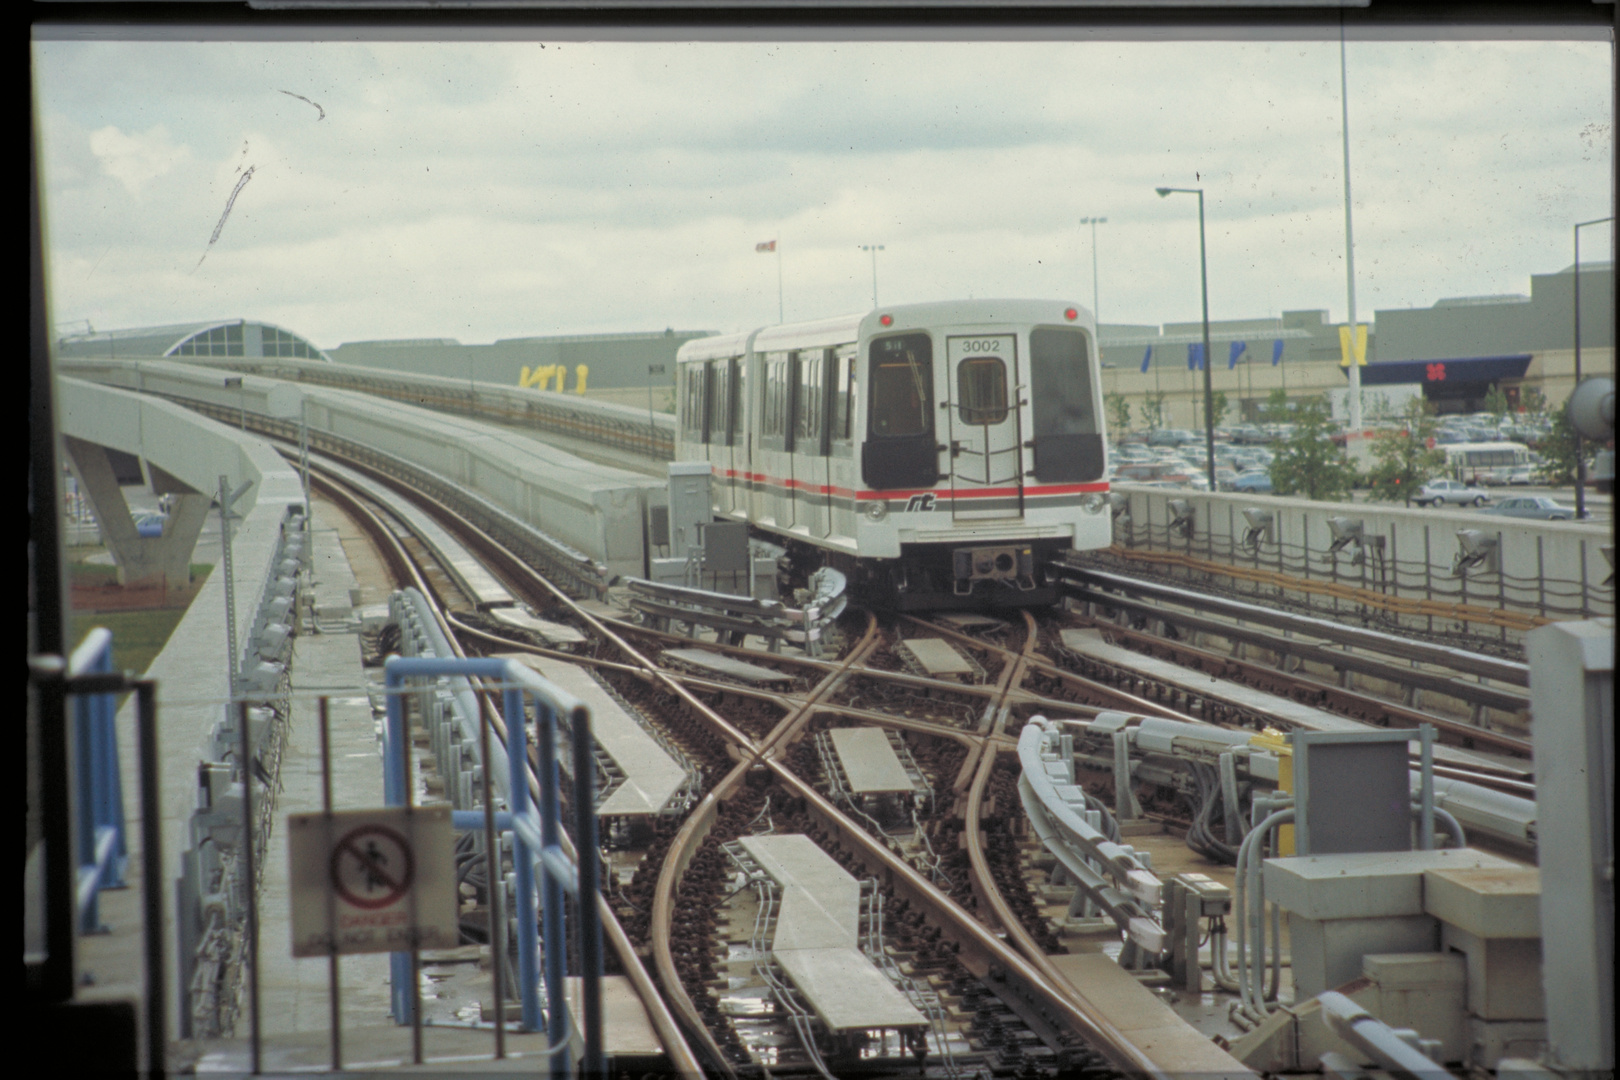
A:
(1486, 902)
(1504, 974)
(690, 504)
(1489, 1041)
(1213, 897)
(1424, 991)
(1493, 917)
(1343, 907)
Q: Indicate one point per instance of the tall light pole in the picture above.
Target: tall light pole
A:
(1203, 277)
(874, 249)
(1580, 457)
(1096, 319)
(1349, 248)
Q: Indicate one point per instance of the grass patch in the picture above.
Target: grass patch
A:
(138, 635)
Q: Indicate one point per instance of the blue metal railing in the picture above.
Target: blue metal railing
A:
(98, 813)
(535, 840)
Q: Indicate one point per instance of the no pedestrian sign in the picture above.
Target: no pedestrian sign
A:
(372, 881)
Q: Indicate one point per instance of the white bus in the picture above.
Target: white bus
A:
(1486, 463)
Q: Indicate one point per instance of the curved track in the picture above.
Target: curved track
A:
(752, 747)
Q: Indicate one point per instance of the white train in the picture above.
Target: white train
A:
(940, 454)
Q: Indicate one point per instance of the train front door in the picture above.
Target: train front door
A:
(984, 426)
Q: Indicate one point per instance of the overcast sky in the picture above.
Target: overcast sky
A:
(487, 190)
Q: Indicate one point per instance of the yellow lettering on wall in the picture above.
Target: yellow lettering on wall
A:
(580, 371)
(562, 374)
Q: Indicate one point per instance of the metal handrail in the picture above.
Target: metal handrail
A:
(99, 816)
(536, 844)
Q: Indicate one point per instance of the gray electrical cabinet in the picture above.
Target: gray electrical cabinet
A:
(691, 504)
(1572, 726)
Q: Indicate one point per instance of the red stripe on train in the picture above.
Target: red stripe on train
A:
(1030, 491)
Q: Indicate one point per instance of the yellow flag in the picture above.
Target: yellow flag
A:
(1361, 346)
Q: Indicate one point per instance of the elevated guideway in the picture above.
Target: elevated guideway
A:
(581, 520)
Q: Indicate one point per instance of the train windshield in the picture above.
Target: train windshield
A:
(902, 385)
(1068, 438)
(1062, 379)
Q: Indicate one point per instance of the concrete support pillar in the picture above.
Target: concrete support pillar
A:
(140, 559)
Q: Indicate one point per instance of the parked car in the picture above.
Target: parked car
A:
(1249, 435)
(150, 524)
(1171, 437)
(1145, 473)
(1539, 507)
(1255, 482)
(1455, 492)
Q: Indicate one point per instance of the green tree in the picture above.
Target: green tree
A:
(1405, 460)
(1557, 451)
(1532, 402)
(1496, 402)
(1119, 413)
(1308, 463)
(1220, 404)
(1276, 409)
(1152, 410)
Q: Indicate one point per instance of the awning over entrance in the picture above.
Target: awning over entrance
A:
(1435, 373)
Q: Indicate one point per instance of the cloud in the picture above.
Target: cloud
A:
(133, 160)
(484, 190)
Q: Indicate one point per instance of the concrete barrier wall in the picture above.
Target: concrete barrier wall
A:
(192, 670)
(595, 508)
(1551, 567)
(626, 427)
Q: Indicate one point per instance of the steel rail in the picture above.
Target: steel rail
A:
(1411, 607)
(1035, 996)
(1452, 659)
(1472, 693)
(695, 830)
(669, 1034)
(1118, 700)
(1351, 702)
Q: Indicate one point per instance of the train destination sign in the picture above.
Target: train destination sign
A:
(372, 881)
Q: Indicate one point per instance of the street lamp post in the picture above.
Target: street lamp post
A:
(1203, 277)
(1580, 457)
(1095, 318)
(874, 249)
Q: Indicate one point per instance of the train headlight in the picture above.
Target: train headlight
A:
(877, 510)
(1093, 503)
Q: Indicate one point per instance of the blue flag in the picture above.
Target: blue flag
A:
(1147, 358)
(1195, 357)
(1238, 348)
(1276, 352)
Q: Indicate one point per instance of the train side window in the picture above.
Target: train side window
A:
(981, 390)
(778, 426)
(902, 386)
(692, 404)
(726, 399)
(808, 406)
(842, 402)
(740, 404)
(832, 428)
(719, 433)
